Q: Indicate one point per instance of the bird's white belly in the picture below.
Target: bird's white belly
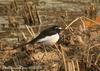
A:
(49, 40)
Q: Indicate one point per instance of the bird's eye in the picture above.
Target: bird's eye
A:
(56, 27)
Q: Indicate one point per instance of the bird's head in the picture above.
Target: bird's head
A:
(56, 28)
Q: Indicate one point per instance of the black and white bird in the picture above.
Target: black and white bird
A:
(49, 36)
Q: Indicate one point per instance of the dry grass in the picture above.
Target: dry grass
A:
(77, 50)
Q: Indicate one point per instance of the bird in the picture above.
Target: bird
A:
(49, 36)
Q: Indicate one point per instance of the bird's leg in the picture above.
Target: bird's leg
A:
(45, 51)
(52, 48)
(57, 49)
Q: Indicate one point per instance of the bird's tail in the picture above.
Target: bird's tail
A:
(20, 45)
(23, 44)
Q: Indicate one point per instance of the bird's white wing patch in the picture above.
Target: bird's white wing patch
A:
(49, 40)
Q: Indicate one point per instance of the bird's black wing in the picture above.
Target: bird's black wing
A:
(43, 34)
